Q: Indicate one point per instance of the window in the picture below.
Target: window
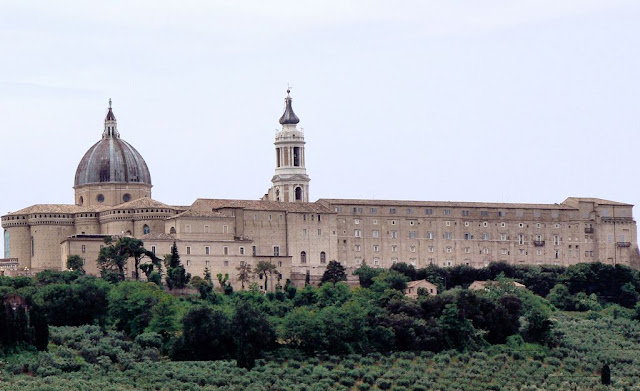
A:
(449, 249)
(303, 257)
(504, 251)
(466, 223)
(467, 236)
(503, 237)
(319, 232)
(188, 262)
(485, 224)
(522, 252)
(146, 230)
(536, 213)
(539, 252)
(428, 211)
(207, 263)
(241, 250)
(304, 232)
(376, 261)
(376, 248)
(412, 222)
(557, 225)
(393, 222)
(323, 257)
(412, 234)
(188, 250)
(431, 249)
(501, 213)
(225, 229)
(373, 210)
(465, 212)
(538, 225)
(394, 234)
(100, 198)
(226, 263)
(187, 228)
(555, 214)
(276, 251)
(298, 193)
(484, 213)
(394, 249)
(467, 250)
(447, 223)
(446, 212)
(207, 250)
(556, 240)
(153, 249)
(376, 234)
(375, 222)
(225, 250)
(485, 250)
(358, 261)
(409, 211)
(392, 211)
(503, 225)
(357, 247)
(356, 221)
(84, 248)
(557, 254)
(206, 229)
(357, 233)
(412, 249)
(521, 239)
(519, 213)
(485, 236)
(448, 235)
(254, 250)
(394, 260)
(429, 235)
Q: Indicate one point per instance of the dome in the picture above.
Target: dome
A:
(112, 160)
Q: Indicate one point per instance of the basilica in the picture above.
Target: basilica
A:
(113, 198)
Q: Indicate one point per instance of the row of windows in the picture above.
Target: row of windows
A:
(303, 257)
(466, 223)
(448, 212)
(449, 236)
(207, 263)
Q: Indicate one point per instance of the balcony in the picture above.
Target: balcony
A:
(589, 230)
(624, 244)
(538, 243)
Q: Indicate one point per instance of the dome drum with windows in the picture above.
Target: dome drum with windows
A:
(111, 171)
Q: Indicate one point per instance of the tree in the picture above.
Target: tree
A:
(605, 375)
(335, 272)
(265, 269)
(366, 274)
(252, 333)
(75, 262)
(244, 273)
(177, 277)
(131, 305)
(114, 257)
(207, 335)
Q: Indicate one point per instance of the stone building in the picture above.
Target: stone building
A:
(113, 198)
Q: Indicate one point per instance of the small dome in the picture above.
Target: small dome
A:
(112, 160)
(288, 117)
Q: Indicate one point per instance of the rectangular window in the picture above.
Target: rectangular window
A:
(485, 236)
(465, 212)
(446, 212)
(484, 213)
(556, 240)
(394, 260)
(503, 237)
(241, 250)
(392, 211)
(431, 249)
(519, 213)
(501, 213)
(207, 250)
(467, 236)
(412, 249)
(376, 234)
(207, 263)
(188, 262)
(467, 250)
(276, 251)
(226, 263)
(304, 232)
(430, 235)
(375, 222)
(84, 248)
(394, 249)
(409, 211)
(373, 210)
(447, 223)
(520, 239)
(428, 211)
(225, 250)
(394, 234)
(187, 228)
(536, 213)
(188, 250)
(376, 248)
(356, 221)
(503, 251)
(319, 232)
(254, 250)
(376, 261)
(357, 247)
(357, 233)
(206, 229)
(153, 249)
(225, 229)
(412, 234)
(448, 235)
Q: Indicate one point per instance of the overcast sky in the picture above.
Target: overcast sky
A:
(514, 101)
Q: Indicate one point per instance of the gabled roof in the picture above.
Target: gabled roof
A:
(574, 201)
(195, 213)
(297, 207)
(450, 204)
(144, 202)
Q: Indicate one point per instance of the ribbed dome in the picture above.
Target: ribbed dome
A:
(112, 160)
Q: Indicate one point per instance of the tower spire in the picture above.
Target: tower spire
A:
(110, 124)
(288, 117)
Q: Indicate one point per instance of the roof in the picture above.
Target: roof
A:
(600, 201)
(288, 117)
(144, 202)
(483, 284)
(451, 204)
(296, 207)
(159, 236)
(195, 213)
(413, 284)
(58, 208)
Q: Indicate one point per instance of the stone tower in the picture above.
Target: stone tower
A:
(290, 182)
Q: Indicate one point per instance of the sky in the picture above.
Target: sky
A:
(493, 101)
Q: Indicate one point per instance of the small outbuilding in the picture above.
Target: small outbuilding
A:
(414, 286)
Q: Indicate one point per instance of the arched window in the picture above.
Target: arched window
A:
(303, 257)
(81, 200)
(145, 229)
(323, 257)
(298, 193)
(277, 194)
(172, 230)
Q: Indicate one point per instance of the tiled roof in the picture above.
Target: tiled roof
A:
(575, 200)
(58, 208)
(195, 213)
(144, 202)
(299, 207)
(449, 204)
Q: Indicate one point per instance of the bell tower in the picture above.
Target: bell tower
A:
(290, 182)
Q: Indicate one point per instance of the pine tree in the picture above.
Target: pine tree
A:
(177, 277)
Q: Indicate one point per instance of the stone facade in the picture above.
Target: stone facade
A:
(113, 198)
